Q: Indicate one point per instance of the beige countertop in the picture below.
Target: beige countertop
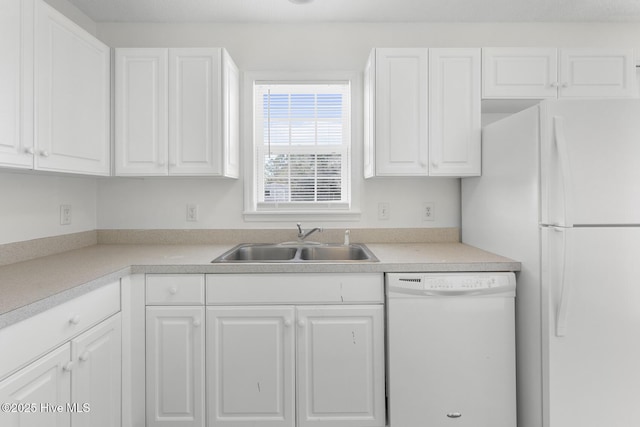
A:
(30, 287)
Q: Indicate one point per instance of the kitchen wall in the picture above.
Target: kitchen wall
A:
(161, 203)
(346, 46)
(75, 14)
(30, 203)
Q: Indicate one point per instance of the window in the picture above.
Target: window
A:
(302, 140)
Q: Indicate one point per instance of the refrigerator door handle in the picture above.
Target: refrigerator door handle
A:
(562, 312)
(565, 170)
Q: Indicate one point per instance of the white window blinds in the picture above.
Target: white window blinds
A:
(302, 145)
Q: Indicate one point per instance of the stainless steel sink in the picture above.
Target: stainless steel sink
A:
(296, 253)
(335, 253)
(252, 253)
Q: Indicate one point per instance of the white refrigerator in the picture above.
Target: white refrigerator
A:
(560, 192)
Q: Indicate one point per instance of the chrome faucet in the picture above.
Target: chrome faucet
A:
(303, 234)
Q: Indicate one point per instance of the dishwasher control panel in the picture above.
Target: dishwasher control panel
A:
(452, 283)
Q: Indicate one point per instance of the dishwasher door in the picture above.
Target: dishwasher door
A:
(451, 350)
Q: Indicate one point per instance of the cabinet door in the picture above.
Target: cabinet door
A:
(454, 112)
(42, 386)
(250, 358)
(597, 73)
(369, 136)
(141, 112)
(175, 366)
(340, 372)
(97, 375)
(230, 117)
(519, 73)
(72, 96)
(16, 83)
(195, 134)
(401, 112)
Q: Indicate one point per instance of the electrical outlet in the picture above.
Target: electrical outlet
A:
(192, 212)
(65, 214)
(428, 211)
(383, 210)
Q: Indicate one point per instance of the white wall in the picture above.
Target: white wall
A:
(30, 202)
(346, 46)
(161, 203)
(30, 205)
(73, 13)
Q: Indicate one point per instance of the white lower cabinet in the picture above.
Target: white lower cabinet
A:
(340, 366)
(175, 366)
(34, 392)
(96, 380)
(295, 349)
(76, 384)
(265, 364)
(62, 367)
(250, 366)
(270, 350)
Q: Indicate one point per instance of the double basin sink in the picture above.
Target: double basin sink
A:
(297, 253)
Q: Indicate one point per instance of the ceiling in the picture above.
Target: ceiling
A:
(361, 10)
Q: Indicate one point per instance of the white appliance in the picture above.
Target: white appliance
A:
(560, 192)
(451, 349)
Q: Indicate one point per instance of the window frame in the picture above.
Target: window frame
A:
(287, 212)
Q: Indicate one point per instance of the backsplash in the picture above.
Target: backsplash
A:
(330, 235)
(29, 249)
(23, 251)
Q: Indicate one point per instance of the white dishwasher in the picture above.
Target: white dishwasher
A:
(451, 349)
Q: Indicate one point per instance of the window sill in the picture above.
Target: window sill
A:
(288, 216)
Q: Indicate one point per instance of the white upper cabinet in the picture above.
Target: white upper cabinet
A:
(519, 72)
(16, 83)
(537, 73)
(369, 122)
(454, 112)
(141, 122)
(422, 112)
(229, 161)
(399, 113)
(55, 85)
(177, 112)
(597, 73)
(72, 96)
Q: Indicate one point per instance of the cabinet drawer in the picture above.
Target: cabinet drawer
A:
(174, 289)
(34, 336)
(295, 288)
